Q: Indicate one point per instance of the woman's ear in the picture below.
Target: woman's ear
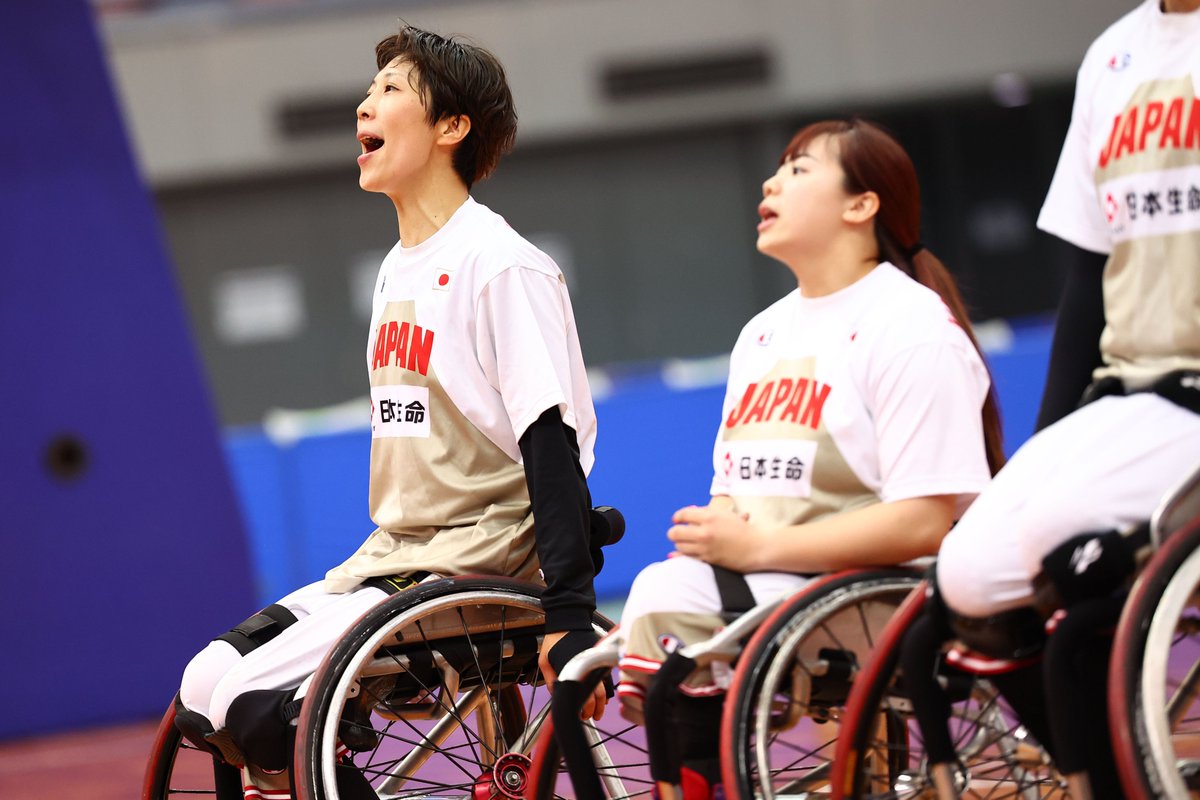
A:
(861, 208)
(453, 129)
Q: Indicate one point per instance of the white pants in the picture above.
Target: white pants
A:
(218, 673)
(1102, 467)
(675, 603)
(686, 584)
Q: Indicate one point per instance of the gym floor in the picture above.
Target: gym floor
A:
(99, 764)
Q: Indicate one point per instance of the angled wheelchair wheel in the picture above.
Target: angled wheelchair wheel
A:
(178, 770)
(784, 706)
(879, 753)
(1154, 682)
(435, 692)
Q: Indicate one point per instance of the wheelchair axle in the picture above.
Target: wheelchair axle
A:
(509, 777)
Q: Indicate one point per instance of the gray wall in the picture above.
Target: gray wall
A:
(647, 201)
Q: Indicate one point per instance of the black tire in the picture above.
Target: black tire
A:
(395, 668)
(1156, 666)
(788, 691)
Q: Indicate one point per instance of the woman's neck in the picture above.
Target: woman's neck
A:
(422, 213)
(844, 263)
(1179, 6)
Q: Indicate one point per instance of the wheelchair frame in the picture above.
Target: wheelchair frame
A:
(769, 629)
(455, 651)
(1146, 703)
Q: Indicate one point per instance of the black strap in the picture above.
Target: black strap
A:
(1181, 387)
(736, 597)
(392, 584)
(258, 629)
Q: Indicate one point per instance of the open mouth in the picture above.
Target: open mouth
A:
(370, 143)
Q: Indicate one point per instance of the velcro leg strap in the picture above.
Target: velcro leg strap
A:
(919, 657)
(662, 727)
(259, 629)
(736, 597)
(700, 738)
(1075, 677)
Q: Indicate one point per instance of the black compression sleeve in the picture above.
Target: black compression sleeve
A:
(1075, 353)
(559, 494)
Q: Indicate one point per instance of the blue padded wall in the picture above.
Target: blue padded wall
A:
(124, 550)
(306, 501)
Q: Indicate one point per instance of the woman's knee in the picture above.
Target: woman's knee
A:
(203, 673)
(676, 584)
(979, 576)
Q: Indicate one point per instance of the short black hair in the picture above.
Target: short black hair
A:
(453, 78)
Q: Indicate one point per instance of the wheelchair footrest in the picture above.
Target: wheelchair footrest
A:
(977, 663)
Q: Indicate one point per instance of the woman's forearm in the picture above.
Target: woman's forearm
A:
(883, 533)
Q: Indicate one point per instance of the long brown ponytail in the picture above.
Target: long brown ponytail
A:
(873, 161)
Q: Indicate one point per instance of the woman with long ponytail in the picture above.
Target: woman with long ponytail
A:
(859, 420)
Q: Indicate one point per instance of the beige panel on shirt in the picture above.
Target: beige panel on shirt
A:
(1152, 283)
(452, 503)
(1151, 310)
(835, 486)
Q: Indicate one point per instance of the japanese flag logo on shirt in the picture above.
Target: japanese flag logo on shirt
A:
(442, 278)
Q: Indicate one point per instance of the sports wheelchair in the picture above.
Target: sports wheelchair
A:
(434, 692)
(793, 660)
(971, 726)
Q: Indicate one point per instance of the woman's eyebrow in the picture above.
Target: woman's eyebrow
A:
(386, 76)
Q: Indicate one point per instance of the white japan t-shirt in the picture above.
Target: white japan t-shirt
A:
(472, 338)
(1128, 184)
(873, 393)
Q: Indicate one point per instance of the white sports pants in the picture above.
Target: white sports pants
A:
(218, 674)
(1102, 467)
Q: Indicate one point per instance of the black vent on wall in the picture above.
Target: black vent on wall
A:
(692, 73)
(318, 116)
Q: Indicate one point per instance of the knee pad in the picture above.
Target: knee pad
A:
(260, 724)
(198, 730)
(258, 629)
(1086, 566)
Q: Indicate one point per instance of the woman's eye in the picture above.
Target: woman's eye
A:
(390, 88)
(796, 170)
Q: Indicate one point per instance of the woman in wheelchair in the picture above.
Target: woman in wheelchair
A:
(1098, 467)
(482, 419)
(858, 423)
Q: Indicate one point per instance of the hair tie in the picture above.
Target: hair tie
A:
(911, 252)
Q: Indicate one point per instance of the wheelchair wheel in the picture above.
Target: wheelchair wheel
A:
(879, 753)
(1154, 682)
(177, 769)
(433, 693)
(784, 705)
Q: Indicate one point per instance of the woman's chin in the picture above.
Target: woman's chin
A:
(367, 184)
